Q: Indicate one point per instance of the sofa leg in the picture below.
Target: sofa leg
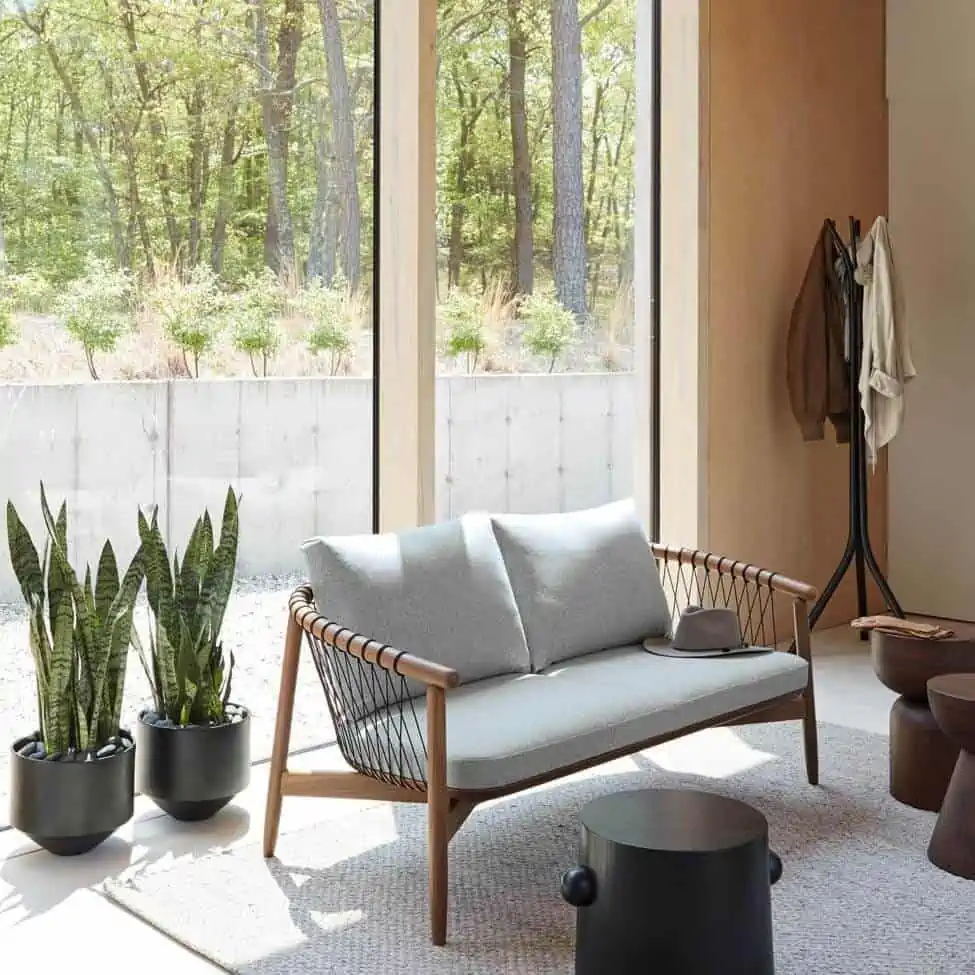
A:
(282, 735)
(438, 809)
(811, 740)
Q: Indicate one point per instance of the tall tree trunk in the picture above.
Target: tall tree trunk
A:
(321, 249)
(458, 209)
(523, 249)
(597, 111)
(225, 190)
(88, 135)
(137, 223)
(343, 143)
(277, 105)
(568, 232)
(196, 165)
(150, 104)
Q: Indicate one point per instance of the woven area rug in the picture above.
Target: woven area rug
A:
(858, 896)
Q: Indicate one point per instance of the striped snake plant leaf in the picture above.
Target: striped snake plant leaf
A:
(46, 635)
(116, 630)
(23, 557)
(195, 561)
(110, 707)
(220, 577)
(225, 691)
(107, 582)
(168, 676)
(148, 662)
(159, 580)
(60, 699)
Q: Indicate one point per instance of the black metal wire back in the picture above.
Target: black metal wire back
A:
(725, 584)
(374, 708)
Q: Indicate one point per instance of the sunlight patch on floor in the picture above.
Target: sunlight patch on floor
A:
(717, 753)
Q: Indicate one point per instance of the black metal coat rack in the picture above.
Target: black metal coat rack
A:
(858, 550)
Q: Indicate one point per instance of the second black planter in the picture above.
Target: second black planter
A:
(191, 773)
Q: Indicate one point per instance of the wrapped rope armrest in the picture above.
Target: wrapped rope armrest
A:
(705, 579)
(375, 695)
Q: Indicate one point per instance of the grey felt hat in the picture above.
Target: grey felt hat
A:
(703, 633)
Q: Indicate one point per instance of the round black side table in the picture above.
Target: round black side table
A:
(672, 881)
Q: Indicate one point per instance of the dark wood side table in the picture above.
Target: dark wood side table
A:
(952, 846)
(672, 880)
(922, 757)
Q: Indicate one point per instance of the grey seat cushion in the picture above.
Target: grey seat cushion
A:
(439, 592)
(583, 580)
(511, 729)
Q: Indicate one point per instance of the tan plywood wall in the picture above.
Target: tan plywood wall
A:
(795, 130)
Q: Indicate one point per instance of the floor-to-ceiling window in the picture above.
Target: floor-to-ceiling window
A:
(537, 201)
(186, 304)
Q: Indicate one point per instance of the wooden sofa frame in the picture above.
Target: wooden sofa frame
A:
(726, 582)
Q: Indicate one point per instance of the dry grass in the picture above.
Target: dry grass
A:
(45, 352)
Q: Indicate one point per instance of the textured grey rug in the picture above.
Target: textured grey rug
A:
(858, 896)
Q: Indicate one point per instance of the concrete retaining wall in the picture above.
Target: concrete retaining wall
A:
(299, 452)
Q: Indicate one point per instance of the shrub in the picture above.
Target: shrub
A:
(95, 309)
(253, 312)
(29, 291)
(335, 314)
(462, 317)
(550, 327)
(191, 311)
(8, 331)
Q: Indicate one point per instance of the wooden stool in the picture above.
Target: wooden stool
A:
(922, 757)
(952, 847)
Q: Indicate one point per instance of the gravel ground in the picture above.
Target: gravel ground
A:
(253, 628)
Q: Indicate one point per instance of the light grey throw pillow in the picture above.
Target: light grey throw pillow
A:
(584, 580)
(439, 592)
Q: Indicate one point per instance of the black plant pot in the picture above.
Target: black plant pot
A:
(69, 806)
(192, 773)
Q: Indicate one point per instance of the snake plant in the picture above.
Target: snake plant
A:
(185, 664)
(80, 633)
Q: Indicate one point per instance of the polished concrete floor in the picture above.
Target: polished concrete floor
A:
(52, 917)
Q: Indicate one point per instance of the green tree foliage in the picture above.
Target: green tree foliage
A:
(463, 319)
(550, 327)
(139, 131)
(336, 315)
(253, 313)
(8, 332)
(191, 312)
(95, 308)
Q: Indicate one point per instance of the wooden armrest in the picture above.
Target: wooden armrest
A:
(742, 570)
(302, 608)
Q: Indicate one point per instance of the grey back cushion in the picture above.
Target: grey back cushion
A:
(439, 592)
(584, 581)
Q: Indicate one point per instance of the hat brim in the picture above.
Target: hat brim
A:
(664, 649)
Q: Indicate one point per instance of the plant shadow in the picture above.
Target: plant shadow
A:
(39, 881)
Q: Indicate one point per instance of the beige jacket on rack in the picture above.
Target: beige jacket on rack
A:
(886, 366)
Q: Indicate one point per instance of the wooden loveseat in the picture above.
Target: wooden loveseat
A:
(433, 648)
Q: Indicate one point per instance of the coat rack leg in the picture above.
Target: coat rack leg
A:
(837, 577)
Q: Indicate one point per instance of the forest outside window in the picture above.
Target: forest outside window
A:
(536, 204)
